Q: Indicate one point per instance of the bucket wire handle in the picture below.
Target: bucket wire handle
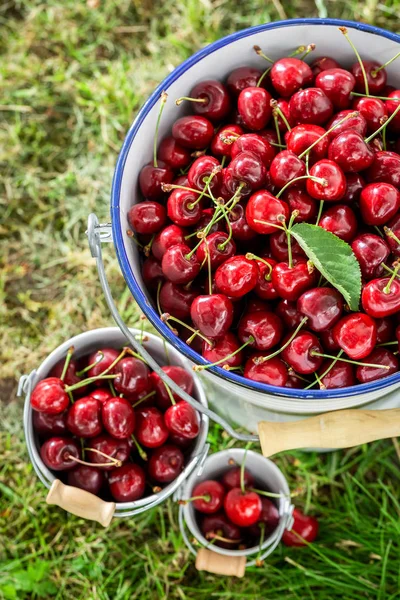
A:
(94, 231)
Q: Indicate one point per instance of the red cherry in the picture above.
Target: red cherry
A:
(201, 170)
(391, 106)
(205, 219)
(323, 306)
(350, 152)
(236, 277)
(133, 378)
(183, 209)
(283, 106)
(243, 509)
(70, 377)
(176, 300)
(285, 167)
(354, 184)
(231, 479)
(377, 301)
(173, 154)
(152, 273)
(378, 356)
(165, 464)
(217, 105)
(265, 327)
(339, 376)
(216, 248)
(50, 424)
(87, 478)
(263, 206)
(322, 64)
(264, 286)
(341, 221)
(299, 353)
(127, 483)
(337, 85)
(373, 110)
(289, 75)
(49, 396)
(152, 178)
(254, 107)
(212, 315)
(310, 106)
(269, 518)
(299, 200)
(193, 132)
(246, 168)
(386, 167)
(355, 123)
(178, 266)
(301, 137)
(288, 312)
(241, 231)
(101, 394)
(58, 453)
(114, 448)
(356, 335)
(384, 330)
(334, 186)
(219, 147)
(251, 142)
(177, 374)
(183, 420)
(241, 78)
(371, 251)
(224, 348)
(167, 237)
(213, 496)
(150, 429)
(271, 372)
(328, 341)
(118, 418)
(219, 525)
(84, 417)
(376, 80)
(101, 360)
(291, 282)
(379, 202)
(394, 227)
(305, 526)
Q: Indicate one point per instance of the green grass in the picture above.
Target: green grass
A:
(72, 76)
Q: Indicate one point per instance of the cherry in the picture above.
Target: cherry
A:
(243, 509)
(356, 123)
(173, 154)
(339, 376)
(101, 394)
(232, 478)
(183, 420)
(118, 418)
(176, 300)
(49, 396)
(223, 140)
(70, 377)
(289, 75)
(219, 525)
(180, 376)
(183, 208)
(334, 186)
(152, 178)
(285, 167)
(378, 300)
(152, 273)
(356, 335)
(222, 350)
(205, 219)
(386, 168)
(310, 106)
(127, 483)
(376, 79)
(133, 378)
(101, 360)
(241, 78)
(305, 526)
(193, 132)
(271, 372)
(282, 106)
(379, 202)
(50, 424)
(371, 251)
(384, 330)
(165, 464)
(216, 103)
(337, 84)
(216, 248)
(84, 418)
(151, 431)
(391, 106)
(354, 184)
(323, 306)
(241, 231)
(201, 170)
(116, 449)
(264, 287)
(254, 107)
(263, 326)
(167, 237)
(301, 137)
(341, 221)
(288, 312)
(251, 142)
(373, 110)
(264, 212)
(87, 478)
(212, 315)
(322, 64)
(301, 202)
(291, 282)
(378, 356)
(299, 354)
(246, 171)
(393, 228)
(350, 152)
(179, 265)
(328, 340)
(58, 453)
(236, 277)
(208, 496)
(269, 518)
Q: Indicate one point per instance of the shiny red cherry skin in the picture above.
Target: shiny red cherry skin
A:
(322, 64)
(243, 509)
(247, 171)
(283, 106)
(323, 306)
(264, 287)
(339, 376)
(337, 84)
(112, 447)
(231, 478)
(285, 167)
(167, 237)
(311, 105)
(378, 356)
(181, 377)
(217, 102)
(287, 311)
(271, 372)
(254, 107)
(101, 360)
(354, 184)
(300, 201)
(176, 300)
(133, 378)
(182, 208)
(152, 273)
(377, 302)
(393, 227)
(127, 483)
(216, 248)
(373, 110)
(264, 210)
(193, 131)
(87, 478)
(371, 251)
(58, 453)
(242, 78)
(205, 219)
(391, 106)
(350, 152)
(49, 396)
(219, 525)
(201, 169)
(328, 341)
(222, 350)
(150, 429)
(70, 377)
(288, 75)
(183, 420)
(356, 335)
(291, 282)
(386, 168)
(384, 330)
(165, 464)
(354, 123)
(269, 518)
(379, 202)
(376, 81)
(305, 526)
(47, 425)
(299, 353)
(264, 326)
(251, 142)
(84, 418)
(178, 265)
(212, 315)
(101, 394)
(224, 139)
(301, 137)
(118, 418)
(241, 230)
(151, 180)
(334, 186)
(236, 277)
(173, 154)
(341, 221)
(209, 496)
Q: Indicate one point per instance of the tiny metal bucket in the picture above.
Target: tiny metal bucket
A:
(81, 502)
(267, 475)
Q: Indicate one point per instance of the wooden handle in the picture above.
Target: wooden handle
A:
(80, 503)
(206, 560)
(339, 429)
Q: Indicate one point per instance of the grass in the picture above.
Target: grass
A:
(72, 76)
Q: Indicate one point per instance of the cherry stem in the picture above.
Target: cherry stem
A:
(277, 145)
(386, 64)
(370, 96)
(320, 209)
(207, 181)
(319, 180)
(259, 82)
(71, 398)
(88, 464)
(209, 267)
(264, 493)
(269, 223)
(168, 187)
(143, 399)
(385, 124)
(135, 354)
(100, 357)
(298, 51)
(278, 131)
(251, 256)
(262, 537)
(387, 344)
(215, 537)
(251, 340)
(258, 51)
(147, 247)
(164, 97)
(70, 352)
(262, 359)
(165, 317)
(131, 235)
(391, 234)
(347, 360)
(324, 135)
(310, 48)
(230, 138)
(364, 74)
(389, 270)
(179, 101)
(139, 448)
(85, 382)
(386, 289)
(171, 397)
(242, 467)
(113, 461)
(275, 108)
(206, 498)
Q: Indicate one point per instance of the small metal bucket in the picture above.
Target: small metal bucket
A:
(78, 501)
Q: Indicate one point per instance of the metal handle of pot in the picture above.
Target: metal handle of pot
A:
(96, 234)
(80, 503)
(338, 429)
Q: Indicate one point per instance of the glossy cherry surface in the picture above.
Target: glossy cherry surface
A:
(86, 478)
(289, 75)
(176, 300)
(299, 353)
(379, 202)
(337, 84)
(378, 356)
(147, 217)
(150, 429)
(371, 251)
(310, 106)
(376, 80)
(301, 137)
(236, 276)
(208, 496)
(47, 425)
(231, 478)
(386, 167)
(350, 152)
(133, 378)
(118, 418)
(180, 376)
(305, 526)
(165, 464)
(264, 211)
(183, 420)
(340, 375)
(216, 248)
(243, 509)
(113, 448)
(49, 396)
(251, 142)
(356, 335)
(291, 282)
(194, 132)
(58, 453)
(254, 107)
(167, 237)
(173, 154)
(152, 178)
(340, 220)
(323, 306)
(378, 301)
(285, 167)
(179, 265)
(127, 483)
(216, 105)
(222, 350)
(212, 315)
(84, 417)
(333, 185)
(101, 361)
(183, 208)
(271, 372)
(265, 327)
(246, 171)
(219, 525)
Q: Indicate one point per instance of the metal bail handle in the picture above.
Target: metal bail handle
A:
(95, 232)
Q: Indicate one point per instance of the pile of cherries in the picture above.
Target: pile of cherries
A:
(112, 425)
(312, 143)
(232, 514)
